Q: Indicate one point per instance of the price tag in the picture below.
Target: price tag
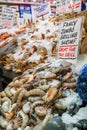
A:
(41, 11)
(73, 6)
(20, 22)
(61, 6)
(8, 15)
(64, 6)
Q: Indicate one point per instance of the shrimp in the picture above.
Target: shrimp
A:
(67, 76)
(60, 106)
(21, 95)
(25, 119)
(7, 91)
(14, 98)
(35, 92)
(69, 85)
(3, 94)
(26, 107)
(39, 102)
(40, 111)
(50, 95)
(33, 99)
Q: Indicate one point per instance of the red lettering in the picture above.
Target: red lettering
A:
(63, 48)
(68, 54)
(72, 48)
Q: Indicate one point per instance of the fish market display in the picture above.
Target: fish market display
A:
(39, 43)
(45, 93)
(37, 96)
(33, 48)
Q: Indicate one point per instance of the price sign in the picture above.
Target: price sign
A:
(20, 22)
(41, 11)
(8, 15)
(69, 39)
(61, 6)
(73, 5)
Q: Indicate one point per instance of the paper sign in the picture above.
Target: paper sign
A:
(64, 6)
(69, 39)
(24, 9)
(61, 6)
(23, 21)
(20, 22)
(73, 6)
(8, 15)
(41, 11)
(27, 17)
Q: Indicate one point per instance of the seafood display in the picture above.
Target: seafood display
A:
(38, 43)
(32, 99)
(33, 48)
(45, 92)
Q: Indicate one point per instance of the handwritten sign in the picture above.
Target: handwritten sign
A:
(61, 6)
(73, 5)
(8, 15)
(69, 39)
(41, 11)
(24, 9)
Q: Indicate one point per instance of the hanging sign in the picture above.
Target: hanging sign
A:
(69, 39)
(8, 15)
(24, 9)
(41, 11)
(61, 6)
(73, 6)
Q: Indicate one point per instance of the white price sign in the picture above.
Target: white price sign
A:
(73, 6)
(20, 22)
(69, 39)
(41, 11)
(61, 6)
(8, 15)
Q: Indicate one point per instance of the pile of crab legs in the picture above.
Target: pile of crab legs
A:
(31, 99)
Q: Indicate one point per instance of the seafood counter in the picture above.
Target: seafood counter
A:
(33, 48)
(40, 98)
(40, 43)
